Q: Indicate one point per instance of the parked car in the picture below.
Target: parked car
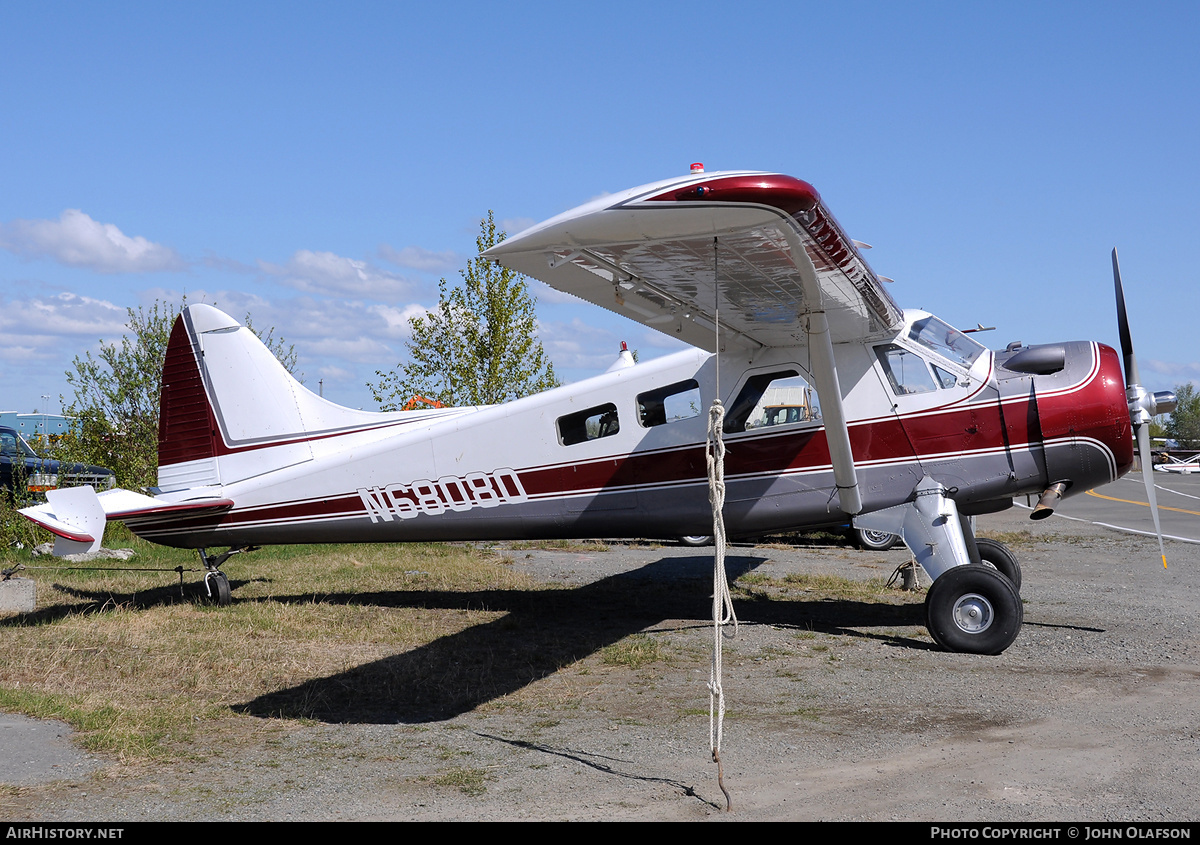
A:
(23, 471)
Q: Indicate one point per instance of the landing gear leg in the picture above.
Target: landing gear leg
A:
(973, 605)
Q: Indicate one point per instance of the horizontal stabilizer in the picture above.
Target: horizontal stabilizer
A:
(76, 516)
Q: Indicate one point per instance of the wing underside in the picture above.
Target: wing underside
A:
(679, 255)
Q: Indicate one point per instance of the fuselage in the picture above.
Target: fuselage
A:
(623, 453)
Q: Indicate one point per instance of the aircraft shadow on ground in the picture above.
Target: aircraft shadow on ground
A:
(541, 632)
(98, 601)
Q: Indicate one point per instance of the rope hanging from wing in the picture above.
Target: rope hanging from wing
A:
(722, 607)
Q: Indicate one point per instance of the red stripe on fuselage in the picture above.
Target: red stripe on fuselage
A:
(749, 455)
(977, 428)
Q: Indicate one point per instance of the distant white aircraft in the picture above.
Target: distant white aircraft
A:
(1180, 465)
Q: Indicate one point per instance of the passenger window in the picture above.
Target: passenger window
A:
(591, 424)
(674, 402)
(770, 399)
(905, 370)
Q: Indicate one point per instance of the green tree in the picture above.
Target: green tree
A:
(478, 347)
(1184, 424)
(117, 394)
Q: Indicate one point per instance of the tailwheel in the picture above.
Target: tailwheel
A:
(216, 584)
(973, 609)
(997, 555)
(218, 588)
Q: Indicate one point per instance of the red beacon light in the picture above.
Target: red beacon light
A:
(697, 167)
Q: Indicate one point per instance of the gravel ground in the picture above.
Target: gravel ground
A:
(837, 710)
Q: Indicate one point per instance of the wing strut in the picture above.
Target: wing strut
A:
(824, 370)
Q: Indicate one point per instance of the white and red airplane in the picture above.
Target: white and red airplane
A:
(913, 426)
(1180, 466)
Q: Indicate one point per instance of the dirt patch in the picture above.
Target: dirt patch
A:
(591, 703)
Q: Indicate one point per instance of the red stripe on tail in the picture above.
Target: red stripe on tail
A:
(187, 429)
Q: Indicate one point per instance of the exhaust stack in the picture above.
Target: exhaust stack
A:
(1049, 500)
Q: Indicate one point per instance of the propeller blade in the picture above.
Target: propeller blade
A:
(1138, 404)
(1131, 370)
(1143, 438)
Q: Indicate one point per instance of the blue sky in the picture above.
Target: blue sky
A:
(320, 166)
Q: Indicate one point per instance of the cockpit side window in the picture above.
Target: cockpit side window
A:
(770, 399)
(945, 340)
(906, 371)
(945, 379)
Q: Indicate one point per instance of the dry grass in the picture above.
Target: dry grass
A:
(148, 670)
(634, 652)
(472, 782)
(142, 668)
(581, 546)
(1026, 539)
(811, 585)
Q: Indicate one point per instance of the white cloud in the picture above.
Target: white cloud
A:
(335, 374)
(397, 320)
(335, 275)
(64, 314)
(578, 346)
(359, 350)
(419, 258)
(40, 335)
(1171, 372)
(77, 240)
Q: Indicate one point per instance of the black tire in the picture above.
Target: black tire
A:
(696, 540)
(996, 554)
(218, 587)
(875, 541)
(973, 609)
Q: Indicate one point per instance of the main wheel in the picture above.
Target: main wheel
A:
(875, 541)
(998, 555)
(218, 588)
(973, 609)
(697, 540)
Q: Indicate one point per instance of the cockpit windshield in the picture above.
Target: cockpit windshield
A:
(945, 340)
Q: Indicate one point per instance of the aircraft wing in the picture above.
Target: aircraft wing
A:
(758, 251)
(758, 254)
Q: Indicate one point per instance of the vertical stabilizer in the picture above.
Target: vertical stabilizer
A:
(229, 410)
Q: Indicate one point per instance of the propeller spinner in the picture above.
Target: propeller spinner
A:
(1143, 405)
